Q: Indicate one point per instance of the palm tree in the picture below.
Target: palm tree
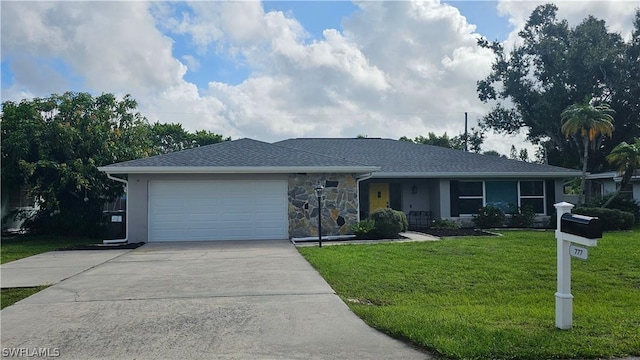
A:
(626, 158)
(589, 123)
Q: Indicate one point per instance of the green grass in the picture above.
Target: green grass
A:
(492, 297)
(13, 295)
(21, 246)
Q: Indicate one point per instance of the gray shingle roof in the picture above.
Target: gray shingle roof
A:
(239, 153)
(395, 157)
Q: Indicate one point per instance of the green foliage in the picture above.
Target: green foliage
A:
(522, 217)
(556, 66)
(22, 246)
(173, 137)
(489, 297)
(388, 223)
(626, 158)
(475, 140)
(622, 203)
(489, 217)
(612, 219)
(445, 224)
(55, 145)
(587, 123)
(363, 229)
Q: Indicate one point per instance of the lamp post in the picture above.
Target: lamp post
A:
(318, 188)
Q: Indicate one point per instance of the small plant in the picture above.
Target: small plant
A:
(389, 223)
(489, 217)
(445, 224)
(522, 217)
(363, 229)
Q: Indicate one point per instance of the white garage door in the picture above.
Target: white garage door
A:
(217, 210)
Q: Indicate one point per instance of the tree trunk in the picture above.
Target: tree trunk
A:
(626, 178)
(585, 159)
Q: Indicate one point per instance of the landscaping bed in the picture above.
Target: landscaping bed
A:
(102, 246)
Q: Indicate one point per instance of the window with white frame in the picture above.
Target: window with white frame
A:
(19, 199)
(502, 194)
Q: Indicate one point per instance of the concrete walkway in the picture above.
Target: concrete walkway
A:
(52, 267)
(215, 300)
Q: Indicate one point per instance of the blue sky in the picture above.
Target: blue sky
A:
(276, 69)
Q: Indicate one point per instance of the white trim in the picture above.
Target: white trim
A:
(358, 181)
(126, 209)
(235, 169)
(476, 175)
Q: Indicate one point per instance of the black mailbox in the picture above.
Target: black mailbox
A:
(580, 225)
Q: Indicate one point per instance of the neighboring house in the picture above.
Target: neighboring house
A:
(248, 189)
(601, 184)
(17, 206)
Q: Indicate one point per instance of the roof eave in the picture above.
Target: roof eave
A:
(460, 175)
(235, 169)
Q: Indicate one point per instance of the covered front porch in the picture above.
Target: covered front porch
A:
(419, 199)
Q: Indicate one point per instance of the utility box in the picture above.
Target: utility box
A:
(116, 222)
(580, 225)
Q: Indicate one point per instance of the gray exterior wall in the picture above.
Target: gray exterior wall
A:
(420, 201)
(339, 204)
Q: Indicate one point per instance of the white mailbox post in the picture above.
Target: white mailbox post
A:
(577, 229)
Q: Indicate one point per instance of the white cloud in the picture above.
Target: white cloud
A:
(114, 46)
(397, 69)
(192, 63)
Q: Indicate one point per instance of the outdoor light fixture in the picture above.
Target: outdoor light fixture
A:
(414, 189)
(318, 189)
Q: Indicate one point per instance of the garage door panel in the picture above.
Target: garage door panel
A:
(217, 210)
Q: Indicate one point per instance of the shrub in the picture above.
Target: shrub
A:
(489, 217)
(363, 229)
(445, 224)
(612, 219)
(522, 217)
(403, 219)
(622, 203)
(389, 223)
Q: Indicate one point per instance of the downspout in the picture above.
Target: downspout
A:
(358, 180)
(126, 231)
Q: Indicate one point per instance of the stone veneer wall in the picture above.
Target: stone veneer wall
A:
(339, 204)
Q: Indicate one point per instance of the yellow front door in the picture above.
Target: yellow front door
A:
(378, 196)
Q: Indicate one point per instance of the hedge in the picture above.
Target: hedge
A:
(612, 219)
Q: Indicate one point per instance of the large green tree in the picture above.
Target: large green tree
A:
(555, 66)
(54, 146)
(587, 124)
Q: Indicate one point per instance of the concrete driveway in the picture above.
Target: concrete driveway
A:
(215, 300)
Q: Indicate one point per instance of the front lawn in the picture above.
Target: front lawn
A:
(21, 246)
(492, 297)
